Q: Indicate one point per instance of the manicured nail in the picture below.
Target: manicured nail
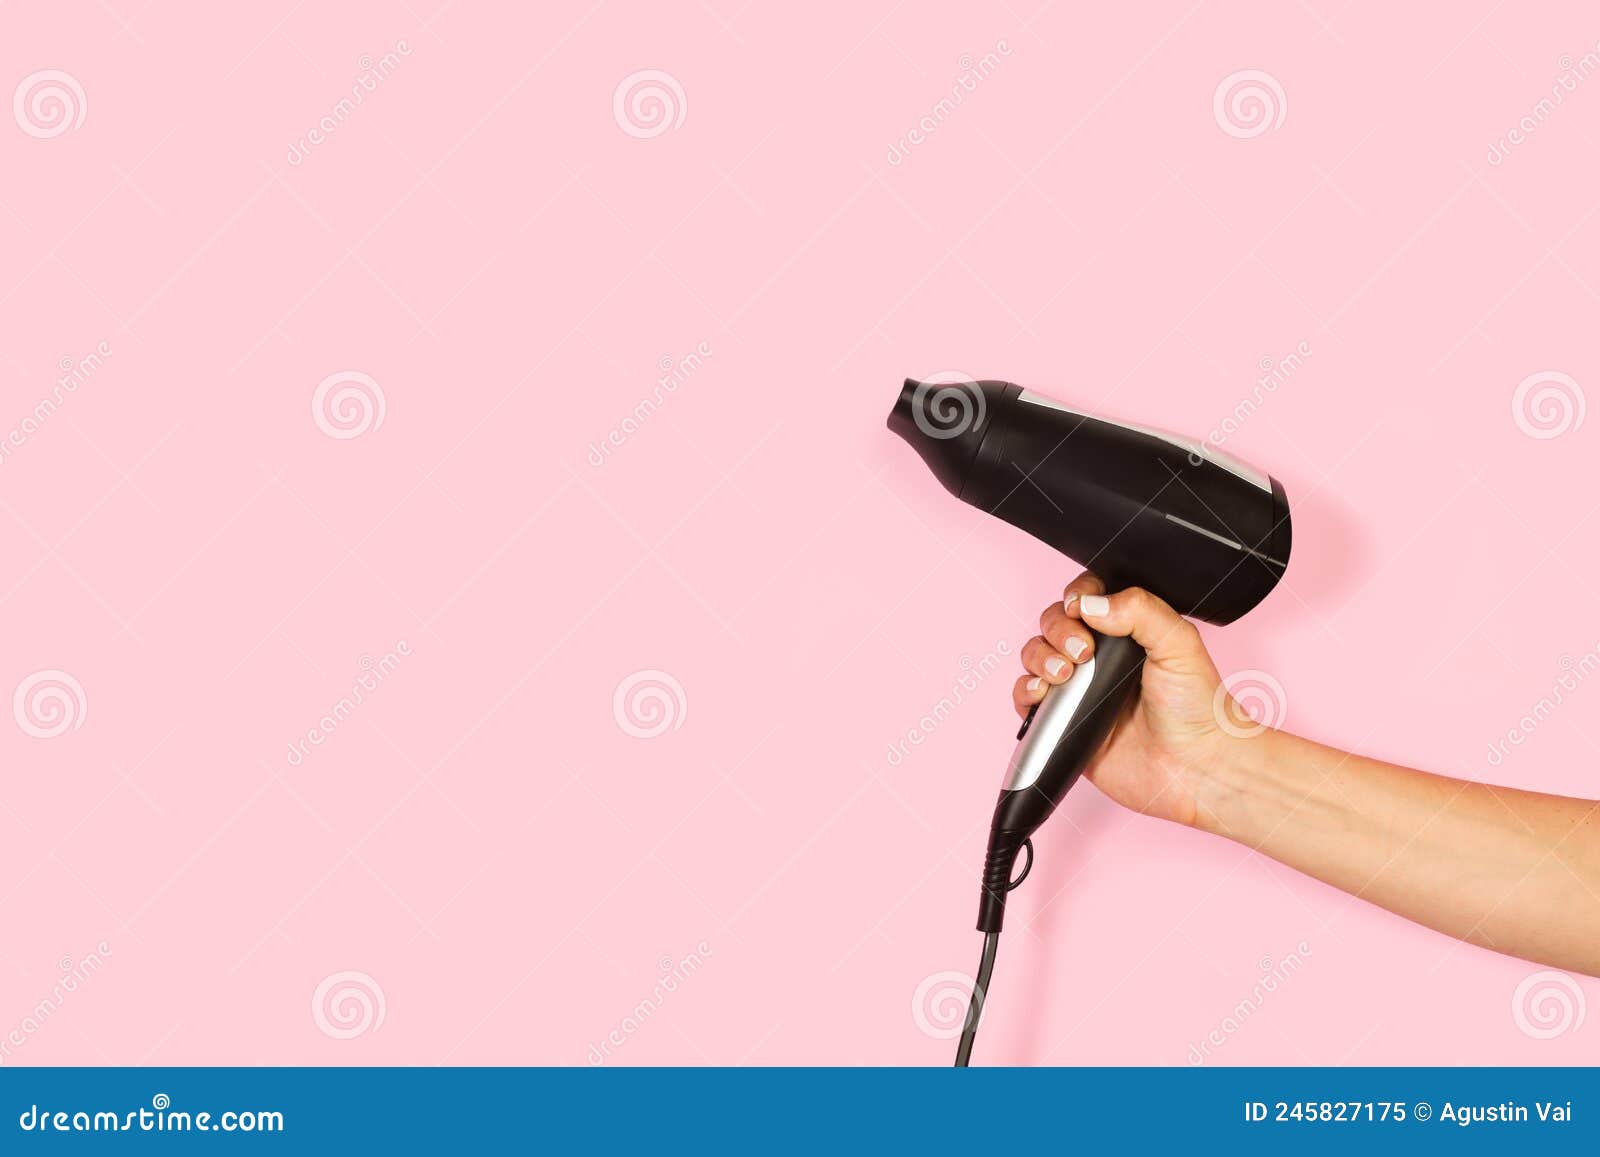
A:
(1035, 683)
(1055, 664)
(1066, 603)
(1076, 647)
(1096, 605)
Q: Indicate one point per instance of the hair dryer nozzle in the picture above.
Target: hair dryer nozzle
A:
(945, 422)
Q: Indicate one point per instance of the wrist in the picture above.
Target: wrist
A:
(1234, 781)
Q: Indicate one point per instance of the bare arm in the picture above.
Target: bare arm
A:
(1515, 871)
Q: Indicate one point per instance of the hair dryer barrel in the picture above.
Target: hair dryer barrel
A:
(1138, 506)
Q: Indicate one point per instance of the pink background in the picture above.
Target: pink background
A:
(481, 840)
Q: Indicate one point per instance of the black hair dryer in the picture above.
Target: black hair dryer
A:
(1139, 507)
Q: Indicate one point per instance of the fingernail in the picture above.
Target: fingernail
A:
(1096, 605)
(1066, 604)
(1055, 664)
(1076, 647)
(1035, 683)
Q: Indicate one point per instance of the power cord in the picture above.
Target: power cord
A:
(980, 986)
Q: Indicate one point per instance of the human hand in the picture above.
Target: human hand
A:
(1171, 733)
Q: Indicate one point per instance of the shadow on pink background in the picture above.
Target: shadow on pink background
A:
(493, 857)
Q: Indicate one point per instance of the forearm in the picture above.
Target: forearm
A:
(1511, 870)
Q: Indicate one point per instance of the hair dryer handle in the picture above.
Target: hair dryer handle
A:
(1059, 737)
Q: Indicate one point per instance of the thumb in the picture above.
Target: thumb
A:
(1169, 639)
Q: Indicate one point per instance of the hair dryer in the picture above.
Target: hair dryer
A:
(1138, 506)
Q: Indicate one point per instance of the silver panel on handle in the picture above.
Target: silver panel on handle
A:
(1050, 722)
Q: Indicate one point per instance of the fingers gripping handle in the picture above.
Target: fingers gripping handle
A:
(1061, 735)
